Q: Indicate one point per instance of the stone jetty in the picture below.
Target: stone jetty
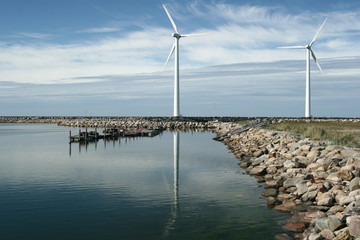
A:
(318, 184)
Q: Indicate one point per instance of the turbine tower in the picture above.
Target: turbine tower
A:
(175, 48)
(308, 52)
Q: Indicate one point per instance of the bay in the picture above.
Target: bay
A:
(173, 186)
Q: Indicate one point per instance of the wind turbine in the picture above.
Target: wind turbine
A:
(308, 52)
(175, 48)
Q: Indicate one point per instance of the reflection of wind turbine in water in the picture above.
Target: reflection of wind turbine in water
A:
(175, 205)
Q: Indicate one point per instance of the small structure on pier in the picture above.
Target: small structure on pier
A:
(112, 133)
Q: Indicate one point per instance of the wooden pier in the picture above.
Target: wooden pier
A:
(112, 133)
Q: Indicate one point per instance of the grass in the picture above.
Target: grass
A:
(338, 133)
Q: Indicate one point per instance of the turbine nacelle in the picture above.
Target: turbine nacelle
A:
(176, 35)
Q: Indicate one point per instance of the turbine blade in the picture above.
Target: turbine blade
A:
(170, 54)
(316, 61)
(299, 47)
(196, 34)
(317, 33)
(171, 20)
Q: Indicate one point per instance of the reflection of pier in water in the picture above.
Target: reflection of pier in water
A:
(107, 141)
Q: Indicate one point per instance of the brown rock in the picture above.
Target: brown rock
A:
(345, 175)
(270, 192)
(259, 170)
(327, 234)
(295, 227)
(286, 206)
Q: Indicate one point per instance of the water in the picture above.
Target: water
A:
(172, 186)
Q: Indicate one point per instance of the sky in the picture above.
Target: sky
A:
(106, 58)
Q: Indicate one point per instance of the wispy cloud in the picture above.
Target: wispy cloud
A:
(34, 35)
(100, 30)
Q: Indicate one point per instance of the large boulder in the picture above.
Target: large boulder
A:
(354, 226)
(327, 223)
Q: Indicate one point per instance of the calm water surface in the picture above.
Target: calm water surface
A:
(172, 186)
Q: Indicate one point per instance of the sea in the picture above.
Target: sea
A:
(176, 185)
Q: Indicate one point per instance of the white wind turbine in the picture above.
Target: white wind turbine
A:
(308, 51)
(175, 48)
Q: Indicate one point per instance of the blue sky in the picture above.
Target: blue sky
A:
(106, 57)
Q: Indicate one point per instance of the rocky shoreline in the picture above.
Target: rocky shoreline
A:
(318, 184)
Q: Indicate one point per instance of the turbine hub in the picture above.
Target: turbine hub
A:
(176, 35)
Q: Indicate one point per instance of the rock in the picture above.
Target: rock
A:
(325, 200)
(335, 209)
(271, 184)
(271, 200)
(334, 178)
(295, 227)
(314, 165)
(289, 164)
(327, 234)
(309, 196)
(259, 170)
(244, 164)
(285, 206)
(327, 223)
(270, 192)
(348, 153)
(258, 153)
(315, 236)
(291, 182)
(313, 154)
(301, 188)
(354, 184)
(345, 175)
(354, 226)
(345, 200)
(342, 234)
(354, 193)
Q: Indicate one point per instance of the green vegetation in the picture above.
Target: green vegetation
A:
(339, 133)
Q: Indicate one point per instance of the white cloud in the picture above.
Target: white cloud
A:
(100, 30)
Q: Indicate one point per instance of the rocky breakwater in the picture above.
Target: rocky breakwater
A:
(318, 184)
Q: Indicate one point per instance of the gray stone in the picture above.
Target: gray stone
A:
(327, 223)
(345, 200)
(354, 184)
(301, 188)
(309, 196)
(335, 209)
(354, 193)
(291, 182)
(257, 161)
(334, 178)
(354, 225)
(348, 153)
(289, 164)
(325, 200)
